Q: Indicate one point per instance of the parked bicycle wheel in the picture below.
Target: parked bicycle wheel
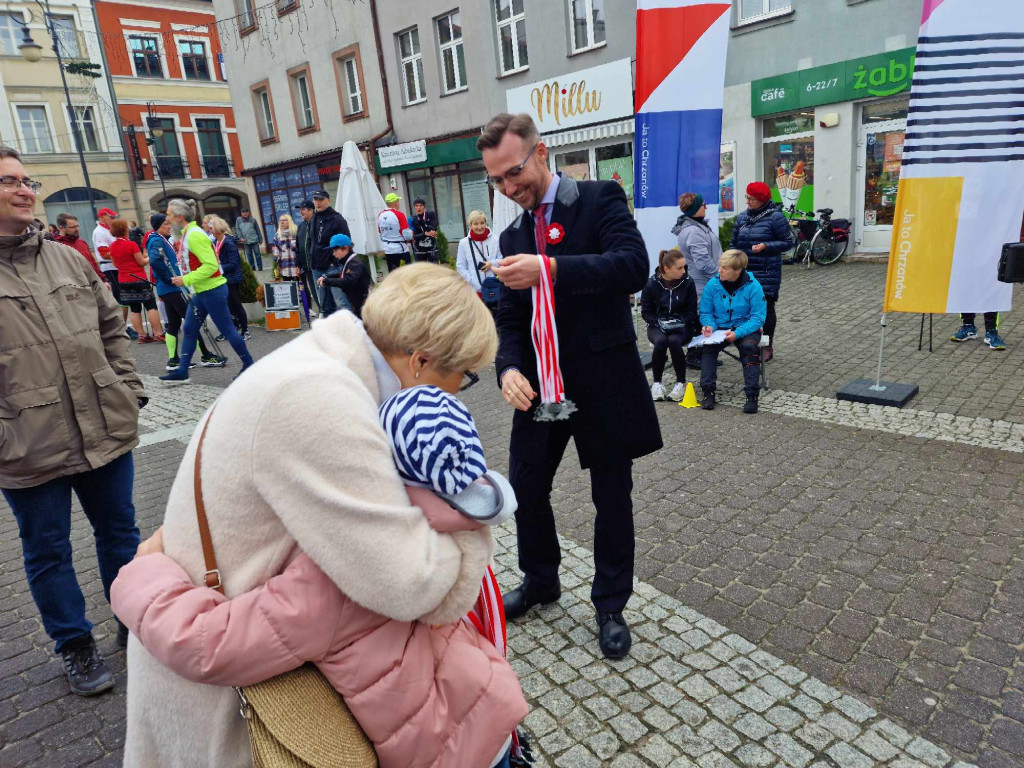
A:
(825, 249)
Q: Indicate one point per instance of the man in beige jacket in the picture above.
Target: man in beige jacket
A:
(69, 410)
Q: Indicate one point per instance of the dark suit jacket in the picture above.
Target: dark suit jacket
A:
(601, 261)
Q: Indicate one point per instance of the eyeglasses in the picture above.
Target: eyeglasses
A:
(472, 379)
(497, 182)
(12, 183)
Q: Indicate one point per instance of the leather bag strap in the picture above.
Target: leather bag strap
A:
(212, 575)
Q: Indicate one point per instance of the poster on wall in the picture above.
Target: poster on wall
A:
(893, 152)
(961, 186)
(619, 170)
(727, 177)
(680, 89)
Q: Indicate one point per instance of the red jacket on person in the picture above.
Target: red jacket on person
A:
(80, 245)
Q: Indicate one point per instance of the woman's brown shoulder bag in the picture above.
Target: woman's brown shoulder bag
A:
(295, 720)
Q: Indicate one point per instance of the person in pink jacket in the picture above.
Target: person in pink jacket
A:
(433, 692)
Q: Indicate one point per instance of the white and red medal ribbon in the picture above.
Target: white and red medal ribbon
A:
(545, 336)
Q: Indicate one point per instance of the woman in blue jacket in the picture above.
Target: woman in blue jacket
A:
(164, 262)
(226, 248)
(733, 302)
(763, 233)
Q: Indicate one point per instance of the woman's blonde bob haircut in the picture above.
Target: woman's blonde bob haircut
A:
(476, 216)
(218, 226)
(432, 310)
(733, 259)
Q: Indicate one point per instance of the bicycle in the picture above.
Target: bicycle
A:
(823, 240)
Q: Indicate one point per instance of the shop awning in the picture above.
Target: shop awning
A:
(590, 133)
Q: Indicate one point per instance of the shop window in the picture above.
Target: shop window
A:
(476, 194)
(263, 104)
(574, 164)
(86, 128)
(35, 129)
(615, 163)
(884, 128)
(303, 101)
(756, 10)
(511, 18)
(412, 66)
(452, 191)
(350, 81)
(588, 25)
(789, 159)
(453, 57)
(145, 56)
(194, 64)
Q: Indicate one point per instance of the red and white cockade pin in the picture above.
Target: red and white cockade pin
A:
(556, 233)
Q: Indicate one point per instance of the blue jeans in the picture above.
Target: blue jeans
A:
(43, 513)
(505, 761)
(252, 253)
(215, 304)
(324, 296)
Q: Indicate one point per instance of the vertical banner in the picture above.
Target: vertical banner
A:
(680, 88)
(961, 192)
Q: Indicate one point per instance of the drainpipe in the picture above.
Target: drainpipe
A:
(384, 84)
(117, 111)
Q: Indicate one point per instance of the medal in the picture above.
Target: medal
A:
(553, 404)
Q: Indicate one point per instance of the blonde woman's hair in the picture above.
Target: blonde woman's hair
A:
(290, 230)
(430, 309)
(217, 225)
(732, 259)
(474, 215)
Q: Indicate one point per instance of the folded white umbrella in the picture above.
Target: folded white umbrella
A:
(503, 212)
(360, 201)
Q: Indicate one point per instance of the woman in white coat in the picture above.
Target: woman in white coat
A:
(477, 252)
(269, 493)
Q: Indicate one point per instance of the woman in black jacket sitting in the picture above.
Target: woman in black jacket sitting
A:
(668, 305)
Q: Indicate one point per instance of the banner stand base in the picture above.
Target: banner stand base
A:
(890, 393)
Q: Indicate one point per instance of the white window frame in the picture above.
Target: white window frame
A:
(267, 127)
(247, 8)
(304, 107)
(224, 131)
(14, 39)
(510, 22)
(22, 141)
(78, 39)
(178, 40)
(349, 93)
(590, 43)
(179, 134)
(101, 144)
(452, 46)
(128, 35)
(411, 61)
(741, 20)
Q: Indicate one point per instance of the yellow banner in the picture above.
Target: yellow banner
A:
(923, 240)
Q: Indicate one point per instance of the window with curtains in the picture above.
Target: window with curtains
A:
(412, 66)
(35, 129)
(453, 57)
(353, 88)
(510, 16)
(588, 25)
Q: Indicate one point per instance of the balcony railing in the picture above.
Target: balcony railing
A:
(171, 167)
(217, 166)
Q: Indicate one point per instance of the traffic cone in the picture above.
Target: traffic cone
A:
(690, 398)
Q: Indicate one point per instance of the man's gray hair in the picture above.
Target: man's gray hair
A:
(9, 152)
(181, 207)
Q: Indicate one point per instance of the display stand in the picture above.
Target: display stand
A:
(282, 306)
(878, 392)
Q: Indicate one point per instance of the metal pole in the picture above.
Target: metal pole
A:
(881, 349)
(156, 163)
(48, 23)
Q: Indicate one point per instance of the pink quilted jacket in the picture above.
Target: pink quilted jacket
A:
(426, 696)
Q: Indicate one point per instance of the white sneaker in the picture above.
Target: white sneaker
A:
(677, 392)
(657, 391)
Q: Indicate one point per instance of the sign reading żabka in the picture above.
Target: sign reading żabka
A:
(578, 98)
(961, 190)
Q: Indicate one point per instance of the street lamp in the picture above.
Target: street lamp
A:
(31, 51)
(155, 132)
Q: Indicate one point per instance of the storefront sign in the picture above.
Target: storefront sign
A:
(578, 98)
(402, 154)
(884, 74)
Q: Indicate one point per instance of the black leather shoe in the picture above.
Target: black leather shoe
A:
(122, 635)
(528, 594)
(615, 638)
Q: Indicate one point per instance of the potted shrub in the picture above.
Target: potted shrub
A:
(251, 293)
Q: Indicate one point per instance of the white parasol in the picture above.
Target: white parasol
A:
(360, 201)
(504, 212)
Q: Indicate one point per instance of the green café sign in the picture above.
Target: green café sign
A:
(884, 74)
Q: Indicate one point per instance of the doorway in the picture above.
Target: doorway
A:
(880, 155)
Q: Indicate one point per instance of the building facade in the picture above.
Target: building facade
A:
(174, 102)
(304, 79)
(816, 98)
(35, 117)
(567, 62)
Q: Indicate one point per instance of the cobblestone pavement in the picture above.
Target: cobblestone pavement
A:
(820, 585)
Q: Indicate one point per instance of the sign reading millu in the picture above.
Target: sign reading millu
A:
(588, 96)
(884, 74)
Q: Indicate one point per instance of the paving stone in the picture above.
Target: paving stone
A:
(854, 709)
(659, 751)
(729, 680)
(604, 744)
(698, 688)
(753, 756)
(848, 757)
(928, 753)
(602, 707)
(754, 698)
(628, 727)
(815, 736)
(722, 737)
(691, 714)
(578, 757)
(839, 725)
(665, 694)
(725, 708)
(783, 718)
(792, 754)
(659, 718)
(893, 733)
(754, 726)
(873, 745)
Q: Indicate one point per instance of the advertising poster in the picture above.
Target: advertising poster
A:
(961, 186)
(727, 178)
(680, 89)
(893, 152)
(619, 170)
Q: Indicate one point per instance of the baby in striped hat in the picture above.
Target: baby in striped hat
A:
(434, 332)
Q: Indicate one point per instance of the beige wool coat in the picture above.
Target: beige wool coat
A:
(295, 457)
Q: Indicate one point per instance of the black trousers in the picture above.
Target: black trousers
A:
(307, 279)
(663, 344)
(235, 307)
(750, 357)
(394, 260)
(176, 307)
(611, 488)
(770, 320)
(967, 318)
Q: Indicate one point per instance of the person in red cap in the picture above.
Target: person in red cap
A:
(762, 232)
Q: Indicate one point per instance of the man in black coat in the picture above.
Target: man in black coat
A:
(302, 243)
(424, 231)
(598, 259)
(325, 224)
